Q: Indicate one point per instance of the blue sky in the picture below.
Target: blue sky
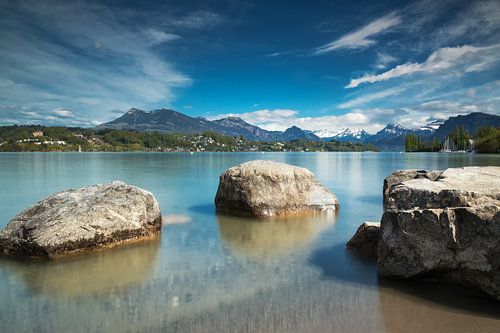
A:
(313, 64)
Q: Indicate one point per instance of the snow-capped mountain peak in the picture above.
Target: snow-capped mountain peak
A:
(325, 133)
(355, 133)
(395, 129)
(345, 134)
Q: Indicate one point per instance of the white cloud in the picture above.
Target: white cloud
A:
(423, 113)
(371, 120)
(360, 38)
(462, 59)
(60, 112)
(272, 120)
(363, 99)
(156, 36)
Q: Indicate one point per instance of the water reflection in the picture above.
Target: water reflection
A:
(264, 240)
(214, 274)
(98, 273)
(175, 219)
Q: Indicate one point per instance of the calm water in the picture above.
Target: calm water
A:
(220, 274)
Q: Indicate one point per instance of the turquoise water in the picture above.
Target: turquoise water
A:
(209, 273)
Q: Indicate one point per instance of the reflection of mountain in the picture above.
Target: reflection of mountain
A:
(96, 273)
(262, 240)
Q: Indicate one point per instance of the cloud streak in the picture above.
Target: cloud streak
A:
(361, 38)
(364, 99)
(90, 59)
(462, 59)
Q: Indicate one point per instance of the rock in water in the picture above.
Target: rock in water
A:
(446, 226)
(82, 219)
(265, 188)
(365, 240)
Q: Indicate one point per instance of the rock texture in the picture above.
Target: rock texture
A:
(82, 219)
(443, 225)
(400, 176)
(265, 188)
(365, 240)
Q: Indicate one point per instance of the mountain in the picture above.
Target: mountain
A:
(391, 137)
(344, 135)
(471, 123)
(234, 126)
(162, 120)
(170, 121)
(325, 133)
(294, 133)
(433, 125)
(391, 131)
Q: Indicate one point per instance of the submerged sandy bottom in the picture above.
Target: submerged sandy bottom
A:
(209, 273)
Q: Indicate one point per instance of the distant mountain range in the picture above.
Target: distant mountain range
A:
(169, 121)
(390, 137)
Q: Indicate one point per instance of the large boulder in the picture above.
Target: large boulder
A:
(444, 227)
(365, 240)
(265, 188)
(82, 219)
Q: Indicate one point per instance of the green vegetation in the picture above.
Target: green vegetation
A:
(485, 140)
(459, 139)
(414, 143)
(39, 138)
(333, 145)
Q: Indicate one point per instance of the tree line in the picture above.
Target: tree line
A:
(484, 140)
(22, 138)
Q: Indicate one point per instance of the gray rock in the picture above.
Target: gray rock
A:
(365, 240)
(445, 227)
(82, 219)
(404, 175)
(265, 188)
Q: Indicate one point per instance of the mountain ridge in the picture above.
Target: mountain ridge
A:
(391, 137)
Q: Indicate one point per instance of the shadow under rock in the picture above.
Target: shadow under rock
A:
(206, 209)
(437, 295)
(337, 262)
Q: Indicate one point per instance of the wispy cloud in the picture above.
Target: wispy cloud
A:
(361, 38)
(155, 36)
(364, 99)
(462, 59)
(383, 60)
(200, 19)
(89, 59)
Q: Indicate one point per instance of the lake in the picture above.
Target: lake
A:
(210, 273)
